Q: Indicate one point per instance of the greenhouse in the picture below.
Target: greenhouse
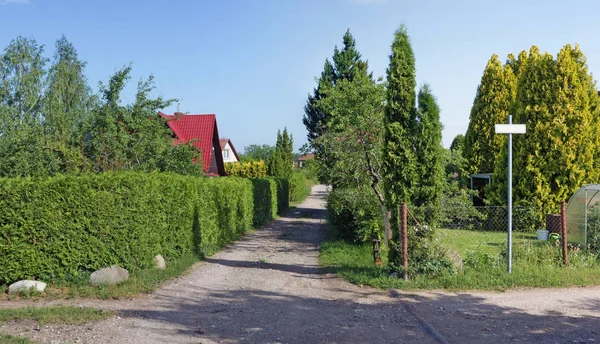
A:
(583, 217)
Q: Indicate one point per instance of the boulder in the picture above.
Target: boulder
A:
(26, 285)
(159, 262)
(111, 275)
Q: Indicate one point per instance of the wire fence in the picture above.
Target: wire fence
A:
(490, 218)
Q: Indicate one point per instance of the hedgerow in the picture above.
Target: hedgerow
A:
(54, 227)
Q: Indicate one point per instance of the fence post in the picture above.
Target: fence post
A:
(563, 234)
(404, 242)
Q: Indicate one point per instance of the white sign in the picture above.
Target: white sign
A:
(510, 128)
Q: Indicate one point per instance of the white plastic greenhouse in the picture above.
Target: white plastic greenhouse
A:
(583, 214)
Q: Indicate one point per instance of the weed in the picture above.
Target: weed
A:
(55, 315)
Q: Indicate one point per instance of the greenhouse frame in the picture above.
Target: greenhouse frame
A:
(583, 214)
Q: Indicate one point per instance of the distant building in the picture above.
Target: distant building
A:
(203, 131)
(229, 152)
(303, 159)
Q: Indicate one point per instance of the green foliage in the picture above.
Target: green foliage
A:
(281, 161)
(283, 194)
(354, 137)
(492, 104)
(266, 200)
(248, 169)
(429, 158)
(50, 122)
(558, 101)
(399, 161)
(298, 187)
(66, 315)
(256, 152)
(65, 225)
(347, 64)
(355, 214)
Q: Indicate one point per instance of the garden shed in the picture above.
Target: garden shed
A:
(583, 215)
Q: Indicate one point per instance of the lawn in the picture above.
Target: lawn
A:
(535, 264)
(463, 241)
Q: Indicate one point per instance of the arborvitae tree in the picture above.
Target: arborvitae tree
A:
(429, 151)
(399, 160)
(67, 107)
(22, 74)
(287, 154)
(458, 143)
(495, 96)
(558, 101)
(280, 163)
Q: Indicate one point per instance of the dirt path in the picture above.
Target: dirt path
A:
(266, 288)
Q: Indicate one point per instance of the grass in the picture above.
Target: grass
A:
(142, 282)
(463, 241)
(535, 264)
(8, 339)
(67, 315)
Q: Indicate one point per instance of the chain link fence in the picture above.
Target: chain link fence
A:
(490, 218)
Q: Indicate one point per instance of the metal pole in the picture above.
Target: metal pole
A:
(509, 198)
(404, 242)
(563, 232)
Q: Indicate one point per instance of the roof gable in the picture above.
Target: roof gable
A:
(202, 129)
(223, 143)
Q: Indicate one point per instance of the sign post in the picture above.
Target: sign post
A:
(510, 129)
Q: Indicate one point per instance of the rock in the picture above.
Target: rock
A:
(159, 262)
(111, 275)
(456, 259)
(26, 285)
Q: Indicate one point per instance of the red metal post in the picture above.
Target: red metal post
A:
(563, 234)
(404, 242)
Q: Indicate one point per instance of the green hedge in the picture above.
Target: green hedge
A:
(298, 188)
(59, 226)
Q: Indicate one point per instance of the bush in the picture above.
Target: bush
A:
(355, 213)
(283, 194)
(249, 169)
(62, 226)
(298, 188)
(265, 200)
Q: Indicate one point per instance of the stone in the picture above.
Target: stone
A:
(111, 275)
(456, 259)
(159, 262)
(26, 285)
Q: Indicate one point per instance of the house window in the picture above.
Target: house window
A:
(226, 153)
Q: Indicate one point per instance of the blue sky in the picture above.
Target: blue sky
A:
(253, 62)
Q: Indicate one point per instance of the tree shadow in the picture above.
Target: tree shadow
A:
(470, 318)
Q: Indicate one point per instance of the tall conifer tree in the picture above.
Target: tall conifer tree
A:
(399, 161)
(493, 101)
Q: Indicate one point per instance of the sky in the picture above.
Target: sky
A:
(254, 62)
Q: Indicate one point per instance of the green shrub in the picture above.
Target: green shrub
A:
(298, 188)
(283, 194)
(66, 226)
(265, 200)
(248, 169)
(355, 213)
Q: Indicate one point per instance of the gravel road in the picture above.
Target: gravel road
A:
(265, 288)
(268, 288)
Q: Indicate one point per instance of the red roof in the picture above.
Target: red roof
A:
(201, 128)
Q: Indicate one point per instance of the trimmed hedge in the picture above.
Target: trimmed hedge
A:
(54, 227)
(298, 188)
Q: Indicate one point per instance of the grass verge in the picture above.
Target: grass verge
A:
(142, 282)
(8, 339)
(67, 315)
(535, 264)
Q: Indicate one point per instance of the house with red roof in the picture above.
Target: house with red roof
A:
(229, 152)
(203, 132)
